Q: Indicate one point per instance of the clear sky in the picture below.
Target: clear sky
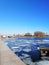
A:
(20, 16)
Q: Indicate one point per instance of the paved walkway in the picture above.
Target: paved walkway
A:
(7, 57)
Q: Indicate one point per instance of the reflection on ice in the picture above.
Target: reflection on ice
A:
(28, 61)
(27, 50)
(16, 49)
(44, 62)
(45, 58)
(25, 55)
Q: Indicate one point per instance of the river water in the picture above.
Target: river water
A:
(28, 49)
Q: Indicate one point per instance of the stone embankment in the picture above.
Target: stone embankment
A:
(7, 57)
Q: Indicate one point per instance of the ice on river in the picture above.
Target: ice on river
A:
(44, 62)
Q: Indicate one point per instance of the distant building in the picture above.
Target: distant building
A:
(28, 35)
(18, 35)
(39, 34)
(47, 35)
(3, 36)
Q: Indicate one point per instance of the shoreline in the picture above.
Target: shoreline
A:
(7, 57)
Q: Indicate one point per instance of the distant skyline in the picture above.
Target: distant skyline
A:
(21, 16)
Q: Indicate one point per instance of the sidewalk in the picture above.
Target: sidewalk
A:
(7, 57)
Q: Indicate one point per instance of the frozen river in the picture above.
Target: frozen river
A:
(28, 49)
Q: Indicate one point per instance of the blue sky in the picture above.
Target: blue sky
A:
(20, 16)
